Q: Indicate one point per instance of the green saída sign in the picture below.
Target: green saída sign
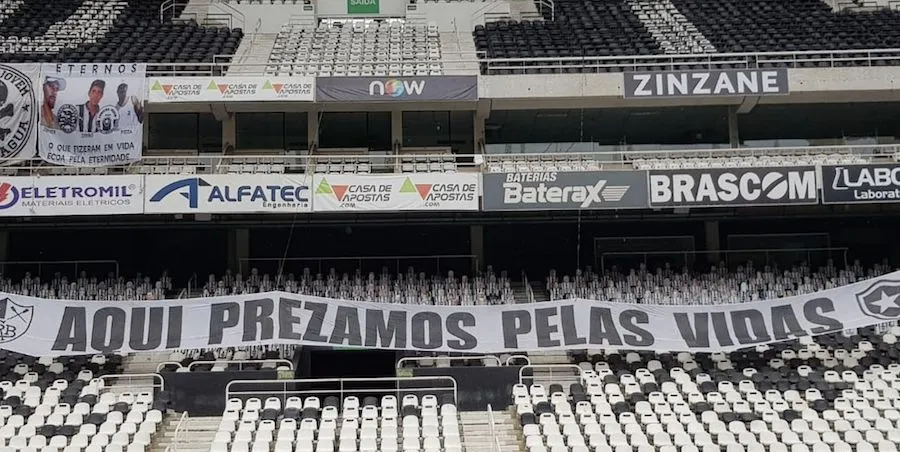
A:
(362, 6)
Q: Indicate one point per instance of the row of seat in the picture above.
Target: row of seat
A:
(402, 288)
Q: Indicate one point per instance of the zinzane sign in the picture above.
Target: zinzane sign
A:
(79, 327)
(726, 187)
(731, 82)
(855, 184)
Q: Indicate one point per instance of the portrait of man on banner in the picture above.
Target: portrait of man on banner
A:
(130, 109)
(91, 115)
(52, 86)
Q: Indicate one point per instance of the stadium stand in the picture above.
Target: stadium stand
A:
(718, 285)
(617, 30)
(580, 28)
(350, 424)
(89, 288)
(357, 48)
(410, 287)
(107, 31)
(84, 287)
(835, 393)
(65, 404)
(804, 25)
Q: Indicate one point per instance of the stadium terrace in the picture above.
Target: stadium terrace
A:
(454, 226)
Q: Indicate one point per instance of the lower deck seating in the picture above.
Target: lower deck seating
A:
(835, 393)
(348, 425)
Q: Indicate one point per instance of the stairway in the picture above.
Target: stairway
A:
(476, 432)
(195, 10)
(674, 32)
(136, 373)
(252, 56)
(195, 435)
(539, 291)
(561, 373)
(165, 433)
(143, 363)
(458, 54)
(519, 292)
(524, 10)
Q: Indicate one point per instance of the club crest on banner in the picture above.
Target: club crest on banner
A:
(18, 103)
(881, 300)
(15, 319)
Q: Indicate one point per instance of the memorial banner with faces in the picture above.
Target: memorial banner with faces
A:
(42, 327)
(92, 114)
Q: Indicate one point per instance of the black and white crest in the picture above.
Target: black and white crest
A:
(881, 300)
(18, 103)
(15, 319)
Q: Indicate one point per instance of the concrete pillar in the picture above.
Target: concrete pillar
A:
(229, 131)
(238, 250)
(734, 136)
(4, 245)
(312, 129)
(479, 132)
(711, 241)
(476, 247)
(146, 125)
(396, 127)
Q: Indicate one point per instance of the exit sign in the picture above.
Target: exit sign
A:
(362, 6)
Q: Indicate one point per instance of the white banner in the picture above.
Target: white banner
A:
(92, 114)
(395, 192)
(228, 193)
(18, 111)
(41, 327)
(71, 195)
(231, 89)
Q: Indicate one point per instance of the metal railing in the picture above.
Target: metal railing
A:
(416, 360)
(178, 434)
(509, 360)
(133, 381)
(168, 6)
(529, 291)
(393, 163)
(745, 60)
(723, 255)
(495, 444)
(239, 19)
(342, 387)
(242, 362)
(563, 372)
(628, 154)
(758, 60)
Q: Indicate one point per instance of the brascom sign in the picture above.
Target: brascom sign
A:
(727, 187)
